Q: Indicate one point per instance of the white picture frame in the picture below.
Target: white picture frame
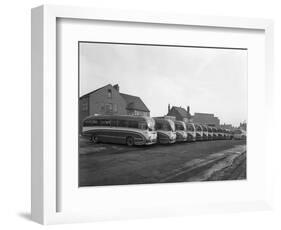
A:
(45, 180)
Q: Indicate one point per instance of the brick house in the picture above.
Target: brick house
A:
(108, 100)
(206, 119)
(227, 126)
(179, 113)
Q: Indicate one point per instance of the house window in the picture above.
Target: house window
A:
(115, 108)
(130, 112)
(109, 93)
(102, 107)
(85, 106)
(108, 108)
(139, 113)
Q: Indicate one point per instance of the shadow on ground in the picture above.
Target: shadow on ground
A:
(25, 215)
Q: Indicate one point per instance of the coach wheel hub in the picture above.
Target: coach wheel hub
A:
(130, 141)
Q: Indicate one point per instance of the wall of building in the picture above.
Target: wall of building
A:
(227, 126)
(101, 103)
(83, 110)
(206, 118)
(174, 113)
(105, 100)
(138, 113)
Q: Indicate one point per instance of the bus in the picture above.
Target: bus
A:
(220, 134)
(231, 134)
(120, 129)
(239, 134)
(181, 131)
(191, 132)
(166, 133)
(227, 134)
(205, 132)
(210, 133)
(215, 133)
(199, 132)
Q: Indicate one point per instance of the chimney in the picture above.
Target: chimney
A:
(188, 109)
(169, 108)
(116, 87)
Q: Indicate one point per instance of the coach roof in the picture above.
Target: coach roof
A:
(118, 117)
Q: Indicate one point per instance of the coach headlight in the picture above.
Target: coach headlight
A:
(151, 136)
(172, 136)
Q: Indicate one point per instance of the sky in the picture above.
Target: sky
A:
(209, 80)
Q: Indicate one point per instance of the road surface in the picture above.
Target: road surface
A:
(110, 164)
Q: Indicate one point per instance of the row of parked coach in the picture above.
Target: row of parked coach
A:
(141, 130)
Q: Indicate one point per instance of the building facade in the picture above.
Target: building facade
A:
(243, 126)
(108, 100)
(179, 113)
(227, 126)
(206, 119)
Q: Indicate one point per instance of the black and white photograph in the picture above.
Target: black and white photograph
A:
(151, 113)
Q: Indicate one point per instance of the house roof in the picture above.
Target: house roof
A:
(134, 103)
(205, 114)
(182, 112)
(87, 94)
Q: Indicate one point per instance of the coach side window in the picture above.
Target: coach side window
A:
(133, 124)
(104, 122)
(91, 123)
(142, 125)
(123, 123)
(158, 125)
(166, 127)
(114, 123)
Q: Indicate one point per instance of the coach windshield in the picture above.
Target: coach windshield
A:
(198, 128)
(180, 126)
(190, 127)
(171, 126)
(150, 124)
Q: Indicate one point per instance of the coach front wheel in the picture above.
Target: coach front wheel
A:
(94, 139)
(130, 141)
